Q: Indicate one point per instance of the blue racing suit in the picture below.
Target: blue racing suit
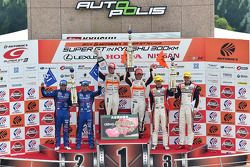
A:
(85, 114)
(63, 101)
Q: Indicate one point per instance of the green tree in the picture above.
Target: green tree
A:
(13, 15)
(236, 12)
(222, 23)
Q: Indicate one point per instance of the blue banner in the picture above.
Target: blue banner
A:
(49, 78)
(95, 72)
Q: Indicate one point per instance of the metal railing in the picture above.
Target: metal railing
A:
(185, 160)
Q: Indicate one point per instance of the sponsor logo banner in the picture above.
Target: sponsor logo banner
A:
(199, 129)
(228, 118)
(32, 145)
(213, 104)
(228, 131)
(243, 119)
(32, 119)
(213, 117)
(228, 144)
(242, 145)
(17, 133)
(4, 135)
(4, 122)
(227, 92)
(4, 148)
(17, 120)
(47, 131)
(4, 109)
(31, 132)
(47, 118)
(227, 105)
(17, 147)
(16, 94)
(243, 132)
(214, 143)
(242, 105)
(213, 130)
(16, 107)
(31, 106)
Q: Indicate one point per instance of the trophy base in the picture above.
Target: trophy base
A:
(130, 69)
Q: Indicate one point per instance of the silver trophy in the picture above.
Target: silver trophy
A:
(130, 50)
(101, 61)
(73, 87)
(173, 74)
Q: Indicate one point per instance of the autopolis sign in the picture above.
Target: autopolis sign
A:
(121, 8)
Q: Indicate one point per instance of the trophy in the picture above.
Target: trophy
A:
(73, 87)
(130, 57)
(173, 74)
(101, 61)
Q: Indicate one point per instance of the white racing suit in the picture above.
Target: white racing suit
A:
(138, 100)
(189, 95)
(138, 103)
(112, 82)
(158, 97)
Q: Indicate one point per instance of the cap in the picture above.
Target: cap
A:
(187, 74)
(63, 82)
(138, 71)
(84, 83)
(158, 78)
(112, 65)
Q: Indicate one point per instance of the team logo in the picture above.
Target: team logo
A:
(177, 141)
(241, 68)
(2, 94)
(16, 107)
(2, 120)
(16, 95)
(3, 134)
(48, 104)
(242, 105)
(227, 49)
(177, 104)
(228, 117)
(48, 118)
(196, 127)
(176, 116)
(175, 130)
(196, 66)
(197, 117)
(3, 147)
(17, 120)
(228, 130)
(197, 141)
(3, 109)
(31, 105)
(227, 104)
(242, 92)
(32, 132)
(50, 141)
(102, 104)
(242, 132)
(213, 129)
(228, 144)
(212, 90)
(227, 92)
(213, 104)
(17, 132)
(213, 116)
(122, 103)
(32, 144)
(242, 118)
(17, 146)
(243, 144)
(213, 142)
(31, 117)
(14, 53)
(31, 92)
(48, 130)
(123, 91)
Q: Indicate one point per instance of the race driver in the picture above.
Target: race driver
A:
(158, 98)
(138, 93)
(189, 93)
(112, 82)
(85, 113)
(62, 99)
